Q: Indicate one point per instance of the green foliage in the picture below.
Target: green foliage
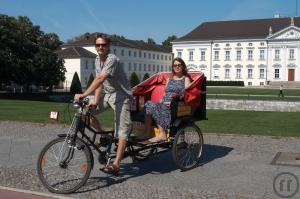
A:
(151, 41)
(146, 76)
(134, 80)
(75, 85)
(167, 42)
(27, 54)
(225, 83)
(91, 79)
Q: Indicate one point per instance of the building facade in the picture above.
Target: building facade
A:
(135, 56)
(257, 52)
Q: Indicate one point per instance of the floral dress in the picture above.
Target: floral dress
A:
(160, 112)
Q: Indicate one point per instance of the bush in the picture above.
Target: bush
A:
(134, 80)
(75, 85)
(225, 83)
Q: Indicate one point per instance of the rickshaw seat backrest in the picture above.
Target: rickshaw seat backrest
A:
(157, 93)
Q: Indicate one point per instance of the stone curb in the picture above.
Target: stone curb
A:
(34, 193)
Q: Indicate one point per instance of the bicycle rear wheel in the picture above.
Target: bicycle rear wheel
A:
(64, 167)
(187, 147)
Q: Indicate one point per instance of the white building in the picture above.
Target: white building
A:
(135, 56)
(258, 52)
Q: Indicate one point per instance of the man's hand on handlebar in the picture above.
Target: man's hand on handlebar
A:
(78, 97)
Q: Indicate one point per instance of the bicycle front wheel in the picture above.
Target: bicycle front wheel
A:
(63, 166)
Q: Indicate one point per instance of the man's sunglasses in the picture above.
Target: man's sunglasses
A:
(98, 45)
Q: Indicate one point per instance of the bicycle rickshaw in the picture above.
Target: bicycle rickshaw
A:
(65, 163)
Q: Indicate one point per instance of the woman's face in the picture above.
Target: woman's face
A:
(177, 67)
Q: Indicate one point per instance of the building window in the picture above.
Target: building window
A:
(153, 68)
(179, 54)
(145, 67)
(216, 73)
(134, 53)
(129, 53)
(249, 83)
(250, 73)
(169, 58)
(129, 66)
(161, 57)
(145, 55)
(191, 55)
(261, 83)
(238, 73)
(115, 51)
(153, 56)
(261, 73)
(157, 56)
(161, 68)
(227, 55)
(262, 54)
(140, 54)
(277, 54)
(292, 53)
(250, 54)
(166, 57)
(238, 44)
(227, 73)
(250, 44)
(134, 67)
(140, 67)
(122, 52)
(202, 56)
(216, 55)
(157, 68)
(149, 67)
(149, 56)
(238, 55)
(276, 73)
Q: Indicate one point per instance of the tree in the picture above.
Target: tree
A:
(151, 41)
(146, 76)
(134, 80)
(91, 79)
(167, 42)
(75, 85)
(27, 54)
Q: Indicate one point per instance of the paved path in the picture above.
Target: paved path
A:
(232, 167)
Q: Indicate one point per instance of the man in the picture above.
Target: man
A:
(280, 93)
(110, 79)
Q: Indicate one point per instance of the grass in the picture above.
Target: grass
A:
(242, 93)
(219, 121)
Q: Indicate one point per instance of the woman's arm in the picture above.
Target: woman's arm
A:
(187, 82)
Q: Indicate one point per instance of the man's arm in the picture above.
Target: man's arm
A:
(98, 81)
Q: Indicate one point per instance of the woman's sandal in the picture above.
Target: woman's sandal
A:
(111, 169)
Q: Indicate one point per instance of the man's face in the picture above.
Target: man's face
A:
(101, 46)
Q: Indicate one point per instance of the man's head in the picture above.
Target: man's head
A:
(102, 44)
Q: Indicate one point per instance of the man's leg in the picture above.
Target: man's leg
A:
(120, 152)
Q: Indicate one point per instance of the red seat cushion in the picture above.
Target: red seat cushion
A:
(157, 93)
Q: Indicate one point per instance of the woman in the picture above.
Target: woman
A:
(161, 111)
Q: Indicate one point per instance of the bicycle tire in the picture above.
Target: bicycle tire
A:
(187, 147)
(61, 179)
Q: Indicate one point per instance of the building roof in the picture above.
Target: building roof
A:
(75, 52)
(89, 40)
(238, 29)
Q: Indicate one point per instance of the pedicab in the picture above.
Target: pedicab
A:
(65, 163)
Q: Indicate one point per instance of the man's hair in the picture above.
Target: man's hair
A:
(104, 37)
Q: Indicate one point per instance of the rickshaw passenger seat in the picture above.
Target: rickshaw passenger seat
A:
(157, 93)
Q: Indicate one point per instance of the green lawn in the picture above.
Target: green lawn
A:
(219, 121)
